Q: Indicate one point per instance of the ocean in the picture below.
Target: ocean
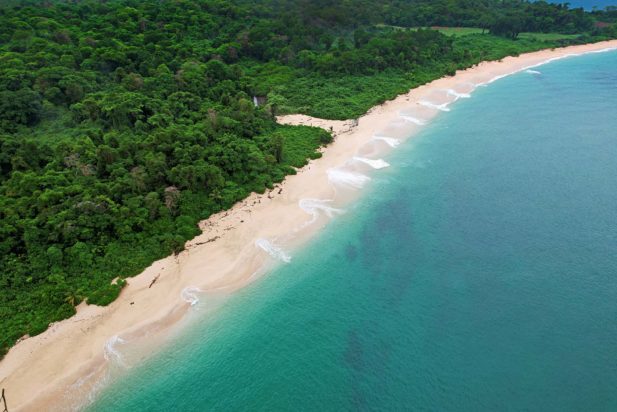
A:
(477, 273)
(589, 4)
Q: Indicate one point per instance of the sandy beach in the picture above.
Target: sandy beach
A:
(59, 368)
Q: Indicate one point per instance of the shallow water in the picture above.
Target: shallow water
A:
(477, 273)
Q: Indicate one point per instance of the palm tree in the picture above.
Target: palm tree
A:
(73, 298)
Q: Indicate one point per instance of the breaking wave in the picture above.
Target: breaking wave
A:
(441, 107)
(458, 95)
(189, 295)
(390, 141)
(273, 250)
(494, 79)
(315, 206)
(110, 353)
(374, 163)
(349, 179)
(528, 69)
(413, 120)
(608, 49)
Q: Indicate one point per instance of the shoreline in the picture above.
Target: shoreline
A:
(237, 245)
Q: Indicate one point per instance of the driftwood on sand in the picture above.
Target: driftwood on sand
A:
(3, 399)
(212, 239)
(154, 280)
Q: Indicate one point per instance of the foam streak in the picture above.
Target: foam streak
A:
(110, 352)
(189, 295)
(441, 107)
(458, 95)
(349, 179)
(273, 250)
(374, 163)
(390, 141)
(413, 120)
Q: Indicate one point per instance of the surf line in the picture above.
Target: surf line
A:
(273, 250)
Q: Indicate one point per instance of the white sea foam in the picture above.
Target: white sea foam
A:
(494, 79)
(458, 95)
(528, 69)
(608, 49)
(80, 382)
(90, 386)
(110, 353)
(273, 250)
(441, 107)
(374, 163)
(315, 206)
(189, 295)
(346, 178)
(390, 141)
(413, 120)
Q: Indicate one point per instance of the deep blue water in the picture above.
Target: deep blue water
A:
(589, 4)
(478, 273)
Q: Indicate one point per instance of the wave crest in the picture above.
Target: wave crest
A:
(458, 95)
(349, 179)
(390, 141)
(413, 120)
(374, 163)
(441, 107)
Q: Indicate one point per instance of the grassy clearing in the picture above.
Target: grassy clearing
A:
(459, 31)
(547, 36)
(465, 31)
(448, 31)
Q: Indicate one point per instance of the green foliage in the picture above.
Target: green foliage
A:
(105, 295)
(334, 96)
(297, 141)
(20, 107)
(125, 122)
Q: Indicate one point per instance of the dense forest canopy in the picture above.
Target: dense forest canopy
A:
(124, 122)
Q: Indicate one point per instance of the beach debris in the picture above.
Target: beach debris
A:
(212, 239)
(23, 338)
(3, 398)
(154, 280)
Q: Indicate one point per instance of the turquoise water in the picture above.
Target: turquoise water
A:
(478, 273)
